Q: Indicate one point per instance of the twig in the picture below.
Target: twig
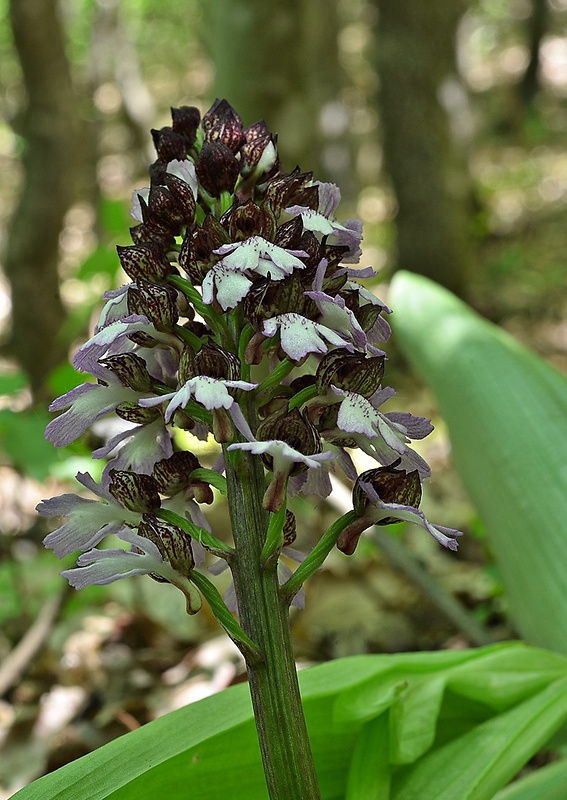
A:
(16, 663)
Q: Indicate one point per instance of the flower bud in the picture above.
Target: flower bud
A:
(145, 261)
(130, 369)
(136, 492)
(217, 169)
(197, 256)
(183, 194)
(249, 219)
(169, 144)
(289, 528)
(258, 154)
(163, 212)
(157, 303)
(172, 474)
(352, 372)
(185, 123)
(173, 543)
(269, 298)
(214, 361)
(222, 124)
(132, 412)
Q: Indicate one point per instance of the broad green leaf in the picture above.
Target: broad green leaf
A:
(369, 775)
(506, 411)
(372, 696)
(413, 719)
(547, 783)
(478, 764)
(209, 747)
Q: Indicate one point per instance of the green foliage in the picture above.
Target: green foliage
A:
(438, 726)
(506, 411)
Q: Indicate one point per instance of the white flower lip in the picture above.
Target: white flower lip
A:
(210, 392)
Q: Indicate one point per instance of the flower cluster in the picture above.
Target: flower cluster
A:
(243, 319)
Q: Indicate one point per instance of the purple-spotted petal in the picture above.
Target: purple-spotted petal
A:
(210, 392)
(300, 336)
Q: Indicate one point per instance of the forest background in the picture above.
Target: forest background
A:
(443, 124)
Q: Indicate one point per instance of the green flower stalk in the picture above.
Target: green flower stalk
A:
(239, 275)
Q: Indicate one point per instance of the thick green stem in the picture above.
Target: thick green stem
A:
(282, 733)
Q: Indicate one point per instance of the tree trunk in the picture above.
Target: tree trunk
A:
(51, 127)
(426, 163)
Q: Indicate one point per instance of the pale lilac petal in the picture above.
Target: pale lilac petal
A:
(136, 210)
(443, 535)
(89, 522)
(146, 445)
(241, 425)
(416, 427)
(116, 307)
(89, 403)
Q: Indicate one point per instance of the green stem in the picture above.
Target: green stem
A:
(282, 733)
(275, 377)
(316, 557)
(211, 594)
(203, 536)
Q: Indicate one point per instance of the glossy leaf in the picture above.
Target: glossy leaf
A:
(506, 411)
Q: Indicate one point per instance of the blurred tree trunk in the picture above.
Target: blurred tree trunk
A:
(536, 28)
(52, 129)
(279, 61)
(421, 101)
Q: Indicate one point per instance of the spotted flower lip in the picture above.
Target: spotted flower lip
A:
(383, 436)
(210, 392)
(300, 336)
(231, 276)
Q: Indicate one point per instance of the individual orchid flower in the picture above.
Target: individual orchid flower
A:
(101, 567)
(386, 495)
(384, 436)
(88, 521)
(284, 459)
(240, 262)
(138, 448)
(300, 336)
(183, 169)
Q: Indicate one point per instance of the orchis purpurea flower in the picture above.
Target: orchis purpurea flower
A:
(239, 324)
(386, 495)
